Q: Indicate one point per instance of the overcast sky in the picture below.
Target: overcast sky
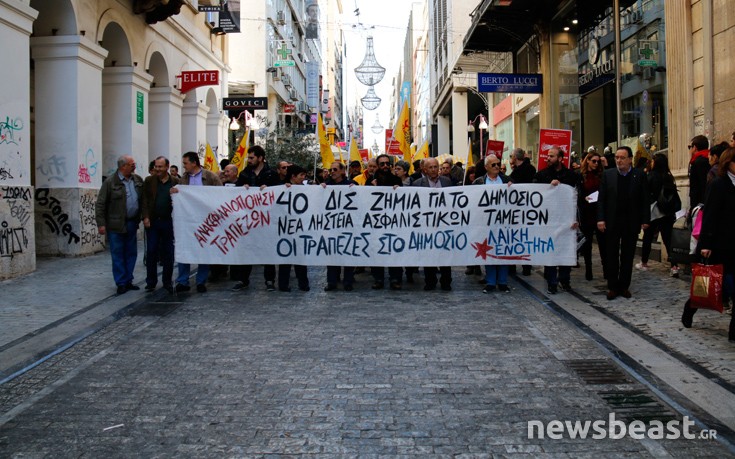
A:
(386, 21)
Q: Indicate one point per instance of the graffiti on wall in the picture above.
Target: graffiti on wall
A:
(10, 130)
(11, 160)
(14, 236)
(87, 167)
(54, 217)
(88, 222)
(13, 240)
(53, 168)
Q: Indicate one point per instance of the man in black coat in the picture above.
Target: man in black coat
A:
(523, 170)
(698, 168)
(622, 211)
(384, 177)
(557, 173)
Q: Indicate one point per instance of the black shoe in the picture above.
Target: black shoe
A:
(503, 288)
(284, 289)
(348, 288)
(132, 287)
(121, 289)
(270, 286)
(552, 290)
(239, 286)
(378, 286)
(526, 270)
(478, 271)
(182, 288)
(304, 288)
(446, 288)
(409, 278)
(169, 288)
(395, 286)
(201, 288)
(611, 295)
(688, 315)
(429, 287)
(626, 294)
(588, 273)
(488, 289)
(331, 287)
(470, 270)
(567, 287)
(150, 288)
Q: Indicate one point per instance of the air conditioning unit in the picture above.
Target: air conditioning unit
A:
(649, 73)
(293, 94)
(286, 80)
(281, 17)
(277, 75)
(301, 106)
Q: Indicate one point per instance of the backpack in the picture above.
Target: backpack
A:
(668, 201)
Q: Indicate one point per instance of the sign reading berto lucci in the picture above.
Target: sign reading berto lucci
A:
(518, 83)
(369, 226)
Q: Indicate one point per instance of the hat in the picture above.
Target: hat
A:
(355, 164)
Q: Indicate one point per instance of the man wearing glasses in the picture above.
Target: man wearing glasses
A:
(622, 213)
(338, 176)
(557, 173)
(384, 177)
(432, 179)
(282, 168)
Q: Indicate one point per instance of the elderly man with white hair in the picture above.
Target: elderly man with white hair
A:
(496, 276)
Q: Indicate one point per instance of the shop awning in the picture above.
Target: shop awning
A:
(506, 25)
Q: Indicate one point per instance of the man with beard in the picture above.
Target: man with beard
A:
(384, 177)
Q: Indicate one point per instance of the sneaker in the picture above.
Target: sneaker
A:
(674, 271)
(239, 286)
(488, 289)
(641, 266)
(552, 290)
(201, 288)
(503, 288)
(270, 286)
(182, 288)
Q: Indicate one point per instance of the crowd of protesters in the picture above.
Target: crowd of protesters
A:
(616, 203)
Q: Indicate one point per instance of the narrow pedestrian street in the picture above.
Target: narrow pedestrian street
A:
(363, 373)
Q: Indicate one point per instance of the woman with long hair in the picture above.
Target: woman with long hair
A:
(662, 220)
(591, 170)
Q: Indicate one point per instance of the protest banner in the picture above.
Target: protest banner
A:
(549, 138)
(376, 226)
(495, 147)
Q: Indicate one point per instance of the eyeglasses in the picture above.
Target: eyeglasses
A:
(690, 146)
(335, 169)
(494, 164)
(383, 164)
(594, 161)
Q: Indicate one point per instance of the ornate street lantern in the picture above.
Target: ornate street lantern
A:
(369, 72)
(371, 101)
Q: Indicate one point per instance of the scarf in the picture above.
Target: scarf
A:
(700, 153)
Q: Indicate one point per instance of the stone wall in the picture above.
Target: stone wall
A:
(65, 223)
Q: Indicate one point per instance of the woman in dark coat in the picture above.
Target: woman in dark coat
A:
(591, 170)
(662, 220)
(716, 241)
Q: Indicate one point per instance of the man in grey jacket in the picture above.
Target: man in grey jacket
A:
(118, 214)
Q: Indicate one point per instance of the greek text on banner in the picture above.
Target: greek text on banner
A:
(376, 226)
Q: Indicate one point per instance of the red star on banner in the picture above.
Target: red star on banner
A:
(482, 249)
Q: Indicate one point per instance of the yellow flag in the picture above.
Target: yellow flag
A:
(239, 159)
(402, 132)
(423, 152)
(210, 161)
(470, 160)
(355, 153)
(324, 147)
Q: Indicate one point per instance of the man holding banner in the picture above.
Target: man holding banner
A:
(557, 173)
(338, 177)
(194, 175)
(432, 179)
(257, 174)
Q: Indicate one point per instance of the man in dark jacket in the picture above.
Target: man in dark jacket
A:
(257, 173)
(622, 211)
(432, 179)
(118, 214)
(523, 172)
(557, 173)
(384, 177)
(157, 214)
(337, 176)
(698, 168)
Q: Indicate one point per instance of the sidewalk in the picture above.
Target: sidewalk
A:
(63, 301)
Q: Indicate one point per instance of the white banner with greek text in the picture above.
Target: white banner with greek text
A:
(376, 226)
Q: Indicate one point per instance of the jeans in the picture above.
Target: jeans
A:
(124, 252)
(160, 237)
(496, 274)
(185, 270)
(556, 274)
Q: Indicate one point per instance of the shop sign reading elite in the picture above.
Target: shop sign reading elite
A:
(197, 78)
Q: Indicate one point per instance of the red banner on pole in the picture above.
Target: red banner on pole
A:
(391, 145)
(549, 138)
(495, 147)
(197, 78)
(364, 154)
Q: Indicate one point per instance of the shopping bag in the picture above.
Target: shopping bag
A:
(697, 227)
(706, 289)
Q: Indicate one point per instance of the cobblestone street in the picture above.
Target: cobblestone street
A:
(364, 373)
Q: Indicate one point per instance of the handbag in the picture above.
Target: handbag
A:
(681, 236)
(706, 289)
